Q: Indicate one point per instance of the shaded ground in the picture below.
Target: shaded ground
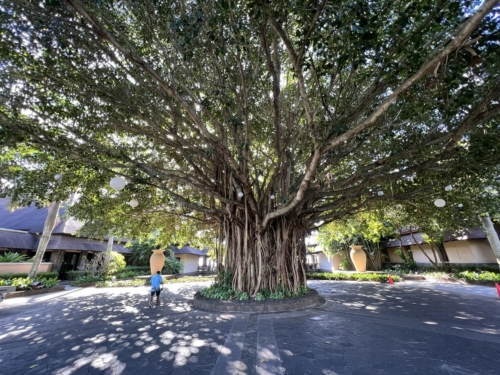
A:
(364, 328)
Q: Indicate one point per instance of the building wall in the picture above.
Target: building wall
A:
(419, 256)
(393, 257)
(325, 263)
(190, 262)
(470, 251)
(23, 267)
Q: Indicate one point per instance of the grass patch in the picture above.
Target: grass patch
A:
(377, 277)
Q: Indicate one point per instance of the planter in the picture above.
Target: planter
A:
(33, 292)
(23, 267)
(358, 257)
(312, 298)
(157, 261)
(336, 259)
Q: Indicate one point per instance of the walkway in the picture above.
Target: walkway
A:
(364, 328)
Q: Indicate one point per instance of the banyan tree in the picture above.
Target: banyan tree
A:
(262, 119)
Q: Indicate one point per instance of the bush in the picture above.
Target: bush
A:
(86, 279)
(138, 269)
(40, 275)
(478, 276)
(21, 283)
(172, 266)
(11, 257)
(48, 283)
(118, 283)
(352, 276)
(73, 275)
(117, 263)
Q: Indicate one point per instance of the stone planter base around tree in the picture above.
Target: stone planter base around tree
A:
(267, 306)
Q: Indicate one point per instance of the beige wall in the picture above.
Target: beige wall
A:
(23, 267)
(190, 262)
(393, 257)
(418, 254)
(470, 251)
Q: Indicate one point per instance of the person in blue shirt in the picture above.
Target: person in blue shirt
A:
(155, 281)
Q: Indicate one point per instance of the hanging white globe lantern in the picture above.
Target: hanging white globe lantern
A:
(117, 183)
(448, 188)
(177, 227)
(272, 196)
(202, 234)
(240, 194)
(460, 205)
(133, 203)
(380, 193)
(488, 188)
(57, 177)
(439, 202)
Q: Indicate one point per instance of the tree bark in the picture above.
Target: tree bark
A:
(492, 236)
(109, 249)
(271, 258)
(44, 240)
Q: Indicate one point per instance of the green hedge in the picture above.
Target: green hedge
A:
(139, 282)
(137, 268)
(73, 275)
(40, 275)
(380, 277)
(478, 276)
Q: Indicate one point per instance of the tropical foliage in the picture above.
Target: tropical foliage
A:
(379, 277)
(142, 250)
(11, 257)
(256, 121)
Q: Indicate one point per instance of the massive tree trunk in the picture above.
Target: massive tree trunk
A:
(492, 236)
(272, 258)
(44, 240)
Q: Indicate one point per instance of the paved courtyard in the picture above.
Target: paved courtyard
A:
(363, 328)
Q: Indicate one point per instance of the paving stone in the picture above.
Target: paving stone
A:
(364, 328)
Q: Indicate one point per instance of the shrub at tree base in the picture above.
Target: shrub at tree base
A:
(377, 277)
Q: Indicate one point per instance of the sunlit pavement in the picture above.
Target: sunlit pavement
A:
(363, 328)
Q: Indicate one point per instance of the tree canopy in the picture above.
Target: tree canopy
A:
(260, 120)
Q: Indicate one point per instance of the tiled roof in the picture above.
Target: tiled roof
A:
(59, 242)
(32, 219)
(468, 234)
(189, 250)
(17, 240)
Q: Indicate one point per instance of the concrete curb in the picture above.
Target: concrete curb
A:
(27, 293)
(267, 306)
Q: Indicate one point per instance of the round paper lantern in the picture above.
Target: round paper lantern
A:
(489, 188)
(448, 188)
(58, 177)
(380, 193)
(460, 205)
(240, 194)
(133, 203)
(117, 183)
(439, 202)
(273, 196)
(177, 227)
